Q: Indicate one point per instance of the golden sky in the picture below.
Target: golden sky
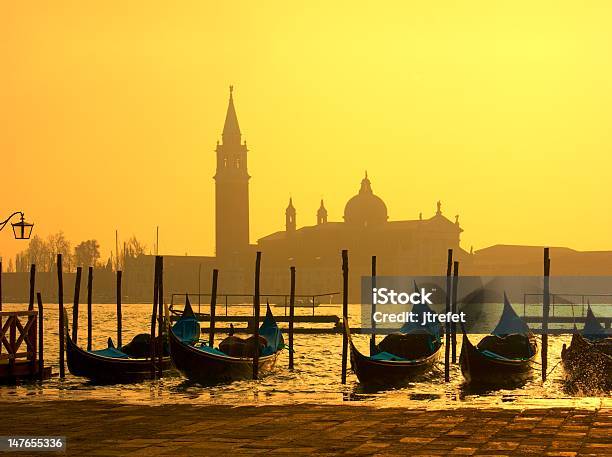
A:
(110, 111)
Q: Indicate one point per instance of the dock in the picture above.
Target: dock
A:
(21, 349)
(334, 325)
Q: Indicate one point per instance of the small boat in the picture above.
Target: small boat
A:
(110, 365)
(382, 368)
(207, 365)
(504, 358)
(588, 359)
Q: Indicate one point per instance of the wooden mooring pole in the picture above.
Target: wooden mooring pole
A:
(256, 315)
(545, 313)
(213, 308)
(32, 286)
(160, 317)
(154, 314)
(89, 310)
(447, 327)
(75, 304)
(291, 315)
(41, 340)
(345, 284)
(119, 316)
(32, 332)
(373, 310)
(454, 310)
(60, 300)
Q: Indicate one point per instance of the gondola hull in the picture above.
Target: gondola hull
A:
(208, 369)
(389, 373)
(103, 369)
(586, 366)
(479, 369)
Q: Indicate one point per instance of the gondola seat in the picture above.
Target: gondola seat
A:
(111, 352)
(386, 356)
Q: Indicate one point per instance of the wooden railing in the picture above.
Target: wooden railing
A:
(18, 340)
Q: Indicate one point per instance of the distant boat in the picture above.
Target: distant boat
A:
(299, 303)
(503, 358)
(208, 365)
(384, 368)
(588, 359)
(110, 365)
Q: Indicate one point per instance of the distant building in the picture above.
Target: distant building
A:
(402, 247)
(231, 190)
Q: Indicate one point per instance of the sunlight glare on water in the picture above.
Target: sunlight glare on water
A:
(316, 378)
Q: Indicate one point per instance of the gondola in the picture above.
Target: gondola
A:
(587, 361)
(385, 369)
(494, 366)
(110, 365)
(207, 365)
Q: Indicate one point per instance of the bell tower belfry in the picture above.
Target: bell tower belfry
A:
(231, 189)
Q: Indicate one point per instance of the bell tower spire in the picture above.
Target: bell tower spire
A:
(231, 128)
(231, 188)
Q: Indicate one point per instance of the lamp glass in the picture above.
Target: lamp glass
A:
(22, 230)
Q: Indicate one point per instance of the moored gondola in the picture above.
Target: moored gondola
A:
(388, 367)
(588, 359)
(110, 365)
(208, 365)
(504, 358)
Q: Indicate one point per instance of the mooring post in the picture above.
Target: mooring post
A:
(40, 344)
(160, 317)
(373, 310)
(75, 304)
(60, 301)
(449, 267)
(256, 315)
(213, 308)
(291, 315)
(154, 314)
(345, 273)
(454, 310)
(119, 317)
(32, 333)
(41, 341)
(32, 285)
(545, 313)
(89, 311)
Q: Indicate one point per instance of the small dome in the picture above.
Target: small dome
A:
(365, 208)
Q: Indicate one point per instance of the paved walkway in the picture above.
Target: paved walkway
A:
(104, 428)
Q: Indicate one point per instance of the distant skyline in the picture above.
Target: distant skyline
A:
(110, 112)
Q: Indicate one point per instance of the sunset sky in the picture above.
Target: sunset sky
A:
(110, 112)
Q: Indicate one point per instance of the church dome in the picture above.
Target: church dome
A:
(365, 208)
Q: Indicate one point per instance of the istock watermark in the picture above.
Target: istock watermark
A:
(476, 303)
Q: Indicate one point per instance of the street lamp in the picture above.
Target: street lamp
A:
(22, 229)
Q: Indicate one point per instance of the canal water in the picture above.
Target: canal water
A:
(316, 378)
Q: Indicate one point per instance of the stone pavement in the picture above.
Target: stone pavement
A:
(104, 428)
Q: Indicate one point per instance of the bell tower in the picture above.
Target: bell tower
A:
(290, 217)
(321, 214)
(231, 189)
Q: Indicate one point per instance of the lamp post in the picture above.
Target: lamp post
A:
(22, 229)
